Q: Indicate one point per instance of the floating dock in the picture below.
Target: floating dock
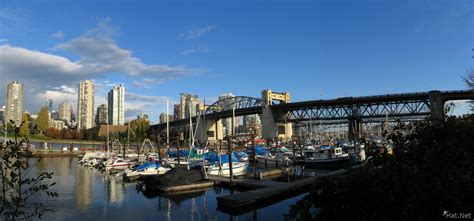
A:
(193, 186)
(265, 192)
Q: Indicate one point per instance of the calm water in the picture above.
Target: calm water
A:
(87, 194)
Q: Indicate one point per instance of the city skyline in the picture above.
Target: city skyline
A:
(313, 50)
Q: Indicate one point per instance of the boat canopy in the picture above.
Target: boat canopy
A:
(224, 158)
(260, 150)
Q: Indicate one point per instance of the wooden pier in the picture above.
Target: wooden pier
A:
(263, 193)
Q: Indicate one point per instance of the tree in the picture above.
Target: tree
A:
(42, 122)
(18, 186)
(429, 172)
(139, 129)
(53, 133)
(25, 122)
(68, 134)
(469, 79)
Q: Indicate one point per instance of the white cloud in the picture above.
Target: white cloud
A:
(66, 89)
(17, 62)
(3, 40)
(99, 53)
(197, 32)
(195, 50)
(48, 75)
(58, 35)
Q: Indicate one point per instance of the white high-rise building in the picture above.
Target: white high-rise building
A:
(65, 112)
(227, 104)
(14, 108)
(116, 104)
(85, 105)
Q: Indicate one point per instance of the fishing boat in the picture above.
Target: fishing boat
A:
(277, 157)
(146, 169)
(325, 156)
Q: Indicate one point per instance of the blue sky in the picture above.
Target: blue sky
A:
(158, 49)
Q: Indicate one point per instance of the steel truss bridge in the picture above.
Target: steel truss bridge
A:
(368, 108)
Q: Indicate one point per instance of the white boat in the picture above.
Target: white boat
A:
(238, 169)
(280, 158)
(325, 156)
(118, 164)
(146, 170)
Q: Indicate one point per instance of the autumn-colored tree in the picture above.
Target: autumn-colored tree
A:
(68, 134)
(42, 122)
(25, 122)
(53, 133)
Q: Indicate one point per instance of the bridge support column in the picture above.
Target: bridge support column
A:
(355, 129)
(209, 130)
(273, 129)
(436, 106)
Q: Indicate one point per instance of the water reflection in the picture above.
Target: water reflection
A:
(96, 196)
(83, 187)
(115, 189)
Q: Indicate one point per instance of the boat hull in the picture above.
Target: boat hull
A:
(326, 163)
(238, 169)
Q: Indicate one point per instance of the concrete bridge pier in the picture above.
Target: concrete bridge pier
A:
(436, 106)
(273, 129)
(209, 130)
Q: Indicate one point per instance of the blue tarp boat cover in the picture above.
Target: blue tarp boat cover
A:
(224, 158)
(260, 150)
(241, 154)
(174, 153)
(148, 165)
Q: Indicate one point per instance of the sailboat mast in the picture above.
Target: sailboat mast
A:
(167, 125)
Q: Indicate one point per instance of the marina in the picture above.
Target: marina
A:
(236, 110)
(94, 195)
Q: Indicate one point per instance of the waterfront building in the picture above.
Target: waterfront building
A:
(2, 115)
(116, 103)
(163, 118)
(14, 105)
(227, 122)
(85, 105)
(142, 116)
(65, 112)
(49, 105)
(177, 112)
(101, 115)
(57, 124)
(54, 115)
(188, 104)
(252, 123)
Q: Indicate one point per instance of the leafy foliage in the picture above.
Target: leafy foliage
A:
(68, 134)
(139, 129)
(42, 122)
(17, 189)
(431, 171)
(53, 133)
(469, 79)
(24, 128)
